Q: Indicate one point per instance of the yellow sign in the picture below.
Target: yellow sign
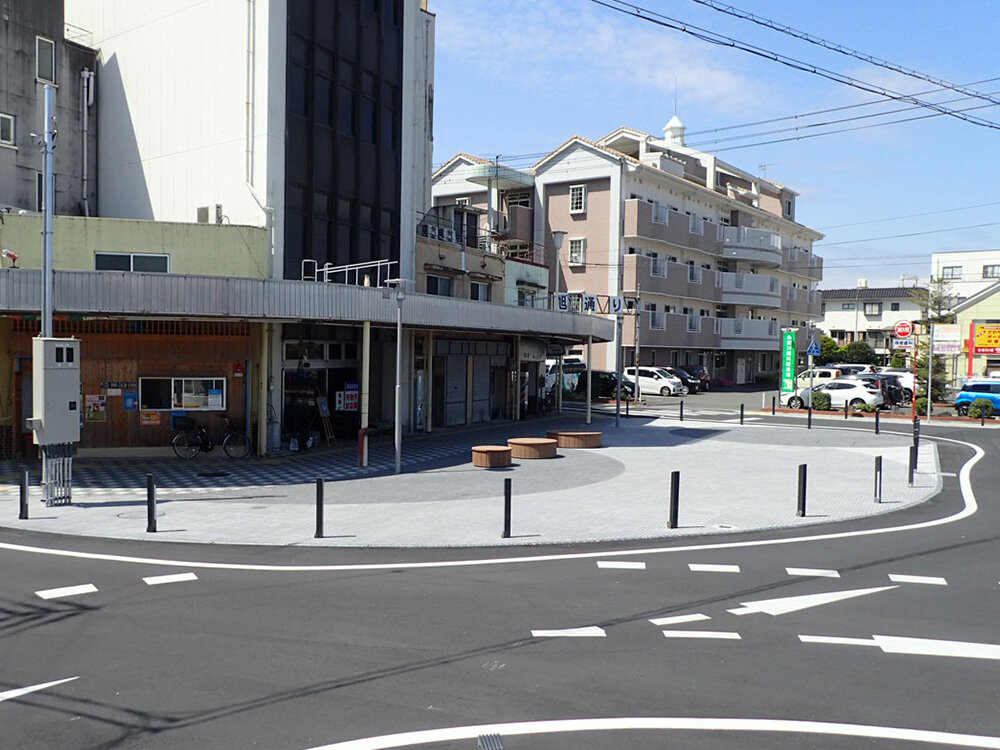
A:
(986, 339)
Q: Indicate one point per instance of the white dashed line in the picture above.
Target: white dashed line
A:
(678, 619)
(704, 568)
(591, 631)
(896, 644)
(18, 692)
(719, 634)
(87, 588)
(834, 640)
(621, 565)
(174, 578)
(930, 580)
(817, 572)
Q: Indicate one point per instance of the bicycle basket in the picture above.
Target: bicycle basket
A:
(184, 424)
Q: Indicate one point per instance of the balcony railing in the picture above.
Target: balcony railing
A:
(657, 320)
(746, 237)
(694, 274)
(693, 324)
(534, 255)
(658, 268)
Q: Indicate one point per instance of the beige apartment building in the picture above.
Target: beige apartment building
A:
(709, 257)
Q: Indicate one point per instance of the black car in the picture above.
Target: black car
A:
(892, 390)
(693, 384)
(699, 372)
(603, 385)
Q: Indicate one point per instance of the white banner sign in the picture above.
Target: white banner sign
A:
(616, 305)
(947, 338)
(902, 343)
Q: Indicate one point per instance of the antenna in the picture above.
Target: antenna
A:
(763, 168)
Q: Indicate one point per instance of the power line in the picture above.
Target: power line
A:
(724, 41)
(909, 216)
(911, 234)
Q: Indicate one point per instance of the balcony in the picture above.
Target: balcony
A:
(656, 222)
(755, 290)
(743, 333)
(673, 330)
(517, 225)
(659, 276)
(756, 246)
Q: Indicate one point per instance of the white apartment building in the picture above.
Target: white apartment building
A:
(967, 272)
(866, 313)
(709, 255)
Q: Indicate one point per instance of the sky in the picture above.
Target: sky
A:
(516, 78)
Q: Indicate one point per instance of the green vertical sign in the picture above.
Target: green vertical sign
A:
(788, 355)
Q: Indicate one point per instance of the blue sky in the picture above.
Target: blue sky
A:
(518, 77)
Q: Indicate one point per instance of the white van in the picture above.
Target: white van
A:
(653, 380)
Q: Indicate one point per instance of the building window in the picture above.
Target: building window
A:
(847, 306)
(991, 272)
(894, 306)
(577, 252)
(7, 129)
(45, 59)
(479, 291)
(345, 110)
(461, 201)
(519, 199)
(190, 394)
(788, 208)
(873, 308)
(951, 272)
(577, 199)
(439, 285)
(136, 262)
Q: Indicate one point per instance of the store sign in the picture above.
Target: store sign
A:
(352, 396)
(947, 338)
(590, 303)
(788, 362)
(562, 302)
(902, 344)
(986, 339)
(902, 329)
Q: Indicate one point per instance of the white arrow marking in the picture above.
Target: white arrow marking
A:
(591, 631)
(175, 578)
(621, 565)
(897, 644)
(678, 619)
(817, 572)
(87, 588)
(11, 694)
(932, 580)
(795, 603)
(707, 568)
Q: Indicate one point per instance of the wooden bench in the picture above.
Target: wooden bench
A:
(490, 456)
(576, 438)
(533, 447)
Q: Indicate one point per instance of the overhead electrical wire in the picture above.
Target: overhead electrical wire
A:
(910, 234)
(909, 216)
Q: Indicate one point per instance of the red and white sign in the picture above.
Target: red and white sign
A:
(902, 329)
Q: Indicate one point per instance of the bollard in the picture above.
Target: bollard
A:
(916, 432)
(774, 404)
(913, 465)
(319, 509)
(627, 402)
(682, 411)
(741, 413)
(506, 509)
(876, 421)
(878, 479)
(809, 418)
(845, 408)
(150, 504)
(982, 417)
(675, 494)
(801, 509)
(23, 515)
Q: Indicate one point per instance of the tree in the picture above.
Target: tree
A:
(938, 374)
(935, 301)
(859, 353)
(898, 358)
(829, 351)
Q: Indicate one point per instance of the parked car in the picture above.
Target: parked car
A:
(818, 376)
(892, 390)
(976, 389)
(700, 372)
(905, 376)
(855, 393)
(852, 368)
(603, 385)
(655, 380)
(693, 384)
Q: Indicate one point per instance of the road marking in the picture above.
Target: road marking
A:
(897, 644)
(818, 572)
(930, 580)
(591, 631)
(621, 565)
(87, 588)
(705, 568)
(678, 619)
(666, 723)
(795, 603)
(971, 506)
(175, 578)
(720, 634)
(11, 694)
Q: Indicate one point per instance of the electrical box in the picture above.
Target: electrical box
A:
(55, 383)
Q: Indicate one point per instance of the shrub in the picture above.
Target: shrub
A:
(869, 408)
(922, 406)
(821, 401)
(981, 407)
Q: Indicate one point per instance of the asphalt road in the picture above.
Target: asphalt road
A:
(281, 658)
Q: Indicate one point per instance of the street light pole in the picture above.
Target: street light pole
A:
(48, 209)
(400, 294)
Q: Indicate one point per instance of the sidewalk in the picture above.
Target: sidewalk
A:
(733, 478)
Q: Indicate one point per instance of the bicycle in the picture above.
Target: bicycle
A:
(194, 438)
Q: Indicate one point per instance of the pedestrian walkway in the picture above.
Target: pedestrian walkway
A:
(733, 478)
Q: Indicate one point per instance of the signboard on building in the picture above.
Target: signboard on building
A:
(986, 338)
(947, 338)
(902, 329)
(788, 362)
(590, 303)
(352, 396)
(902, 343)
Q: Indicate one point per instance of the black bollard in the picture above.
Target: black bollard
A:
(878, 479)
(774, 404)
(627, 401)
(319, 509)
(741, 413)
(876, 421)
(801, 509)
(675, 496)
(845, 408)
(913, 465)
(506, 509)
(982, 417)
(809, 418)
(150, 504)
(916, 432)
(23, 515)
(682, 411)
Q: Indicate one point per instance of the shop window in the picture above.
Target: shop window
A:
(136, 262)
(190, 394)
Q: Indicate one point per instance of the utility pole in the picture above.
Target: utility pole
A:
(618, 346)
(48, 208)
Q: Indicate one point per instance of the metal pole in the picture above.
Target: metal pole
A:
(809, 418)
(590, 380)
(741, 414)
(801, 510)
(558, 386)
(618, 375)
(399, 380)
(774, 404)
(506, 508)
(845, 408)
(319, 509)
(876, 421)
(930, 363)
(366, 355)
(916, 432)
(23, 515)
(675, 493)
(878, 479)
(913, 465)
(682, 411)
(48, 209)
(150, 504)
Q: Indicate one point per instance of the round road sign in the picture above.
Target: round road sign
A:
(902, 329)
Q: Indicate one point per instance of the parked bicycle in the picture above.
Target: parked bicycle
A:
(193, 438)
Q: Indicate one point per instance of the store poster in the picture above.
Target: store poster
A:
(97, 408)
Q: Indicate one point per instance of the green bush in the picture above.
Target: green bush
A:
(821, 401)
(922, 406)
(869, 408)
(981, 407)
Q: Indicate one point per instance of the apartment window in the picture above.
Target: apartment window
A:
(480, 291)
(136, 262)
(7, 129)
(519, 199)
(991, 272)
(577, 199)
(951, 272)
(847, 306)
(894, 306)
(788, 208)
(439, 285)
(873, 308)
(45, 59)
(578, 252)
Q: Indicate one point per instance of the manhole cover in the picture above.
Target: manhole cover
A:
(212, 474)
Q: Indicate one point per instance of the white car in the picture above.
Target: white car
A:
(655, 380)
(905, 376)
(855, 393)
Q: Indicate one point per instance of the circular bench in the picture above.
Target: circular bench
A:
(576, 438)
(533, 447)
(490, 456)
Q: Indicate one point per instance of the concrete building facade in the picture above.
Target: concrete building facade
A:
(868, 314)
